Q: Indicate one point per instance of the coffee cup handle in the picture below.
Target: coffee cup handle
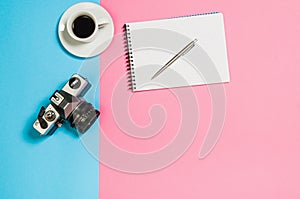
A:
(102, 22)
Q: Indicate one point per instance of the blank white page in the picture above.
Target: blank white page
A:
(154, 43)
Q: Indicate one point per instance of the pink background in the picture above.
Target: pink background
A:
(258, 153)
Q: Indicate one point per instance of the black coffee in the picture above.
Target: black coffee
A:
(83, 26)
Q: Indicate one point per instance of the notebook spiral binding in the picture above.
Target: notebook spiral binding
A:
(192, 15)
(129, 57)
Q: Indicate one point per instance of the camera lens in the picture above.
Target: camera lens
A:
(83, 117)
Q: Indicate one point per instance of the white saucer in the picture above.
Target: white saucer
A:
(103, 36)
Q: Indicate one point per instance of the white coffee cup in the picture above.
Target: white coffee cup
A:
(99, 23)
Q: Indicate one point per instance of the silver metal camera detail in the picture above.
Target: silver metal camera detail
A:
(67, 104)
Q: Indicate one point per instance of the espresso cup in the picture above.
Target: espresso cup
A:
(82, 26)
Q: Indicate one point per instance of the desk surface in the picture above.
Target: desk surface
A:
(257, 155)
(33, 65)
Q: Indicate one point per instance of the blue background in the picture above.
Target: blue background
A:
(32, 66)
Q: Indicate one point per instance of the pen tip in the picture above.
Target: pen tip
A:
(154, 76)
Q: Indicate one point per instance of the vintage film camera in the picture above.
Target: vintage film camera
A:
(68, 104)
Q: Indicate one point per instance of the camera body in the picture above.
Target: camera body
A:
(68, 104)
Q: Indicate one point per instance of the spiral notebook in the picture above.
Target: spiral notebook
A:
(150, 44)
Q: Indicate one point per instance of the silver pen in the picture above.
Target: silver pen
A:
(185, 50)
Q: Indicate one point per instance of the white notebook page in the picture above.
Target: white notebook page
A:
(154, 43)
